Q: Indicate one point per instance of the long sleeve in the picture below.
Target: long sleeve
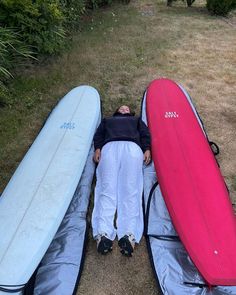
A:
(145, 137)
(99, 136)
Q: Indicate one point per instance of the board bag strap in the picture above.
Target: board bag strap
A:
(214, 147)
(5, 288)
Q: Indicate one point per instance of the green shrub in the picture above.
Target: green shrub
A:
(50, 27)
(40, 23)
(97, 3)
(12, 51)
(72, 11)
(219, 7)
(233, 4)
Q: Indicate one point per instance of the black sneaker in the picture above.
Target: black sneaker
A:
(104, 245)
(126, 245)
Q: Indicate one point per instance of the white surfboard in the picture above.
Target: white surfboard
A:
(35, 200)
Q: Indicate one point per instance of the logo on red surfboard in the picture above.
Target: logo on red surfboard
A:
(169, 115)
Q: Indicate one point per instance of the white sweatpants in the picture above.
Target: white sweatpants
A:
(119, 187)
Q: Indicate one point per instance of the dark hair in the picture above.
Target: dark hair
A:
(117, 111)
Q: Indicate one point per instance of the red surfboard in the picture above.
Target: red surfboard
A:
(191, 183)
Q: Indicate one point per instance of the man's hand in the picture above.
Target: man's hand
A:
(147, 157)
(97, 155)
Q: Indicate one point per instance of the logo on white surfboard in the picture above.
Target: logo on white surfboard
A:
(68, 125)
(169, 115)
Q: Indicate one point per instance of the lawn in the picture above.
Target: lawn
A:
(119, 50)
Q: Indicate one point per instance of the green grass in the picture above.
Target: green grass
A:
(29, 102)
(234, 182)
(119, 51)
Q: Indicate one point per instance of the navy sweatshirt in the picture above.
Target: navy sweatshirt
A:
(122, 127)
